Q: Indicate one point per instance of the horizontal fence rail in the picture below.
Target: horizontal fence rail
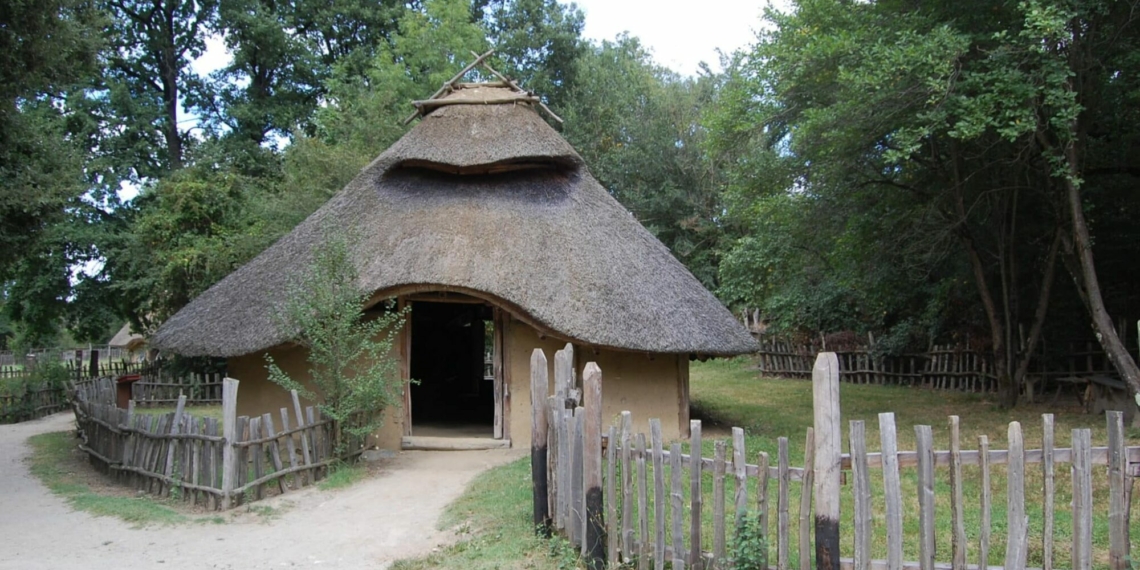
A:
(625, 497)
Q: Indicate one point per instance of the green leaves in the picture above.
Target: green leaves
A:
(353, 374)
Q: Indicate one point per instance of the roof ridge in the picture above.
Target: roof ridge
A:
(518, 94)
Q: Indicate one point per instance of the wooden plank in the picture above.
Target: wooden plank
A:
(243, 456)
(695, 503)
(740, 474)
(290, 449)
(762, 494)
(659, 499)
(566, 471)
(578, 482)
(258, 456)
(924, 441)
(594, 534)
(1017, 523)
(957, 520)
(984, 532)
(892, 489)
(627, 507)
(229, 432)
(175, 428)
(1118, 548)
(1048, 475)
(862, 496)
(827, 460)
(1081, 470)
(677, 494)
(719, 545)
(782, 523)
(554, 458)
(537, 399)
(274, 449)
(613, 532)
(306, 452)
(805, 502)
(539, 387)
(643, 552)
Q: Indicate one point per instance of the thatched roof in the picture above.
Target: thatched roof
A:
(487, 199)
(125, 338)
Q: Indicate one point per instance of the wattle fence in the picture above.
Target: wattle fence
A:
(626, 498)
(940, 368)
(215, 463)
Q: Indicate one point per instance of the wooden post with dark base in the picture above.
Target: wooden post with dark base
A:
(828, 447)
(594, 540)
(539, 387)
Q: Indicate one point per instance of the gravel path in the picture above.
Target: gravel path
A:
(391, 515)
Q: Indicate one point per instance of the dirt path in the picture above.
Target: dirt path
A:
(390, 516)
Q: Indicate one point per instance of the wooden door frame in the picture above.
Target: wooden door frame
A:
(501, 319)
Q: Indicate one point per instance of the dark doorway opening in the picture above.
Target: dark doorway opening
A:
(450, 352)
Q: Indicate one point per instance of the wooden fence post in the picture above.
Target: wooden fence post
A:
(229, 433)
(1082, 499)
(173, 443)
(828, 449)
(1016, 546)
(539, 386)
(1118, 548)
(695, 560)
(595, 536)
(888, 438)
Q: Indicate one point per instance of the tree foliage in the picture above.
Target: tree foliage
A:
(950, 147)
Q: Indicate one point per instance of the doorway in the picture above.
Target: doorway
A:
(452, 356)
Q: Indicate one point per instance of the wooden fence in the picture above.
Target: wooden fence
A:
(215, 463)
(657, 509)
(943, 367)
(156, 388)
(32, 403)
(21, 401)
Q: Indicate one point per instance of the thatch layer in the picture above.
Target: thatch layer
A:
(550, 242)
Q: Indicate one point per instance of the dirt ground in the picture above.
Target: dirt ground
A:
(389, 516)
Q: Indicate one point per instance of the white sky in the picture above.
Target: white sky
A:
(679, 33)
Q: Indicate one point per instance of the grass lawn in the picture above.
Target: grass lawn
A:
(57, 463)
(494, 520)
(212, 411)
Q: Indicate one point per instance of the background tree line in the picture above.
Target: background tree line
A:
(933, 172)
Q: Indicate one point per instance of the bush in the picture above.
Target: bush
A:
(354, 376)
(750, 545)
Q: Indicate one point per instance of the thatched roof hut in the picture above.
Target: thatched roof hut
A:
(481, 197)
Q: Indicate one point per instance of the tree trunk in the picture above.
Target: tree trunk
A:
(1007, 391)
(1038, 315)
(1106, 334)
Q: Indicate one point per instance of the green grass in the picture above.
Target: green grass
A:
(212, 411)
(494, 519)
(55, 463)
(729, 393)
(343, 475)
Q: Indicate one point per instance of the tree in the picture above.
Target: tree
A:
(148, 76)
(48, 48)
(637, 126)
(539, 42)
(959, 109)
(353, 376)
